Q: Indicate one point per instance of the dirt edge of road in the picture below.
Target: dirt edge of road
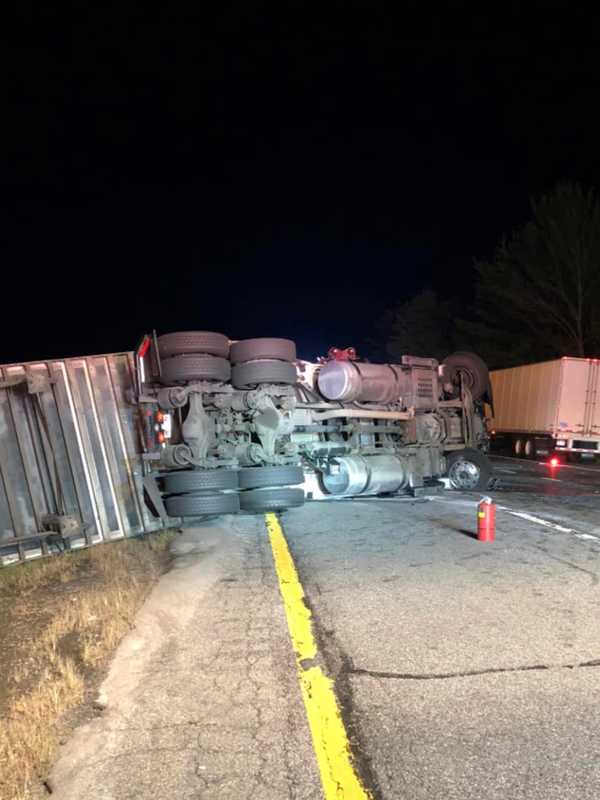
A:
(63, 618)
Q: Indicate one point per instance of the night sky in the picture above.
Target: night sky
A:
(291, 172)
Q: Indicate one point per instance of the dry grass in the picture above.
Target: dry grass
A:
(29, 734)
(36, 573)
(86, 623)
(64, 567)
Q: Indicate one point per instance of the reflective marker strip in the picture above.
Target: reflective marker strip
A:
(330, 740)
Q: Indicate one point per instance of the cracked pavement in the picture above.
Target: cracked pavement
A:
(469, 670)
(202, 700)
(465, 670)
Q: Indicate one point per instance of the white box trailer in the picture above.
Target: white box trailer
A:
(540, 409)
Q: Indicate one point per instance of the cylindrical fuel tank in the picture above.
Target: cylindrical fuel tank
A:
(365, 475)
(367, 383)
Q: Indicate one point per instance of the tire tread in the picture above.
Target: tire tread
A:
(201, 342)
(198, 505)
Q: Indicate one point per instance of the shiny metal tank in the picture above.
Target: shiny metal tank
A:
(346, 381)
(366, 475)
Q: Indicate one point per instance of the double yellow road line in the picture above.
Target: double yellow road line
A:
(330, 740)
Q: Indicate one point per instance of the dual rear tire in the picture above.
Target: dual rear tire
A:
(201, 492)
(264, 360)
(270, 488)
(196, 493)
(524, 448)
(207, 356)
(194, 356)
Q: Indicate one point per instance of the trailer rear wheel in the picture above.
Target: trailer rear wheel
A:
(518, 448)
(468, 470)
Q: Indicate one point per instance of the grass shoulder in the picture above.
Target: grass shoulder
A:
(63, 618)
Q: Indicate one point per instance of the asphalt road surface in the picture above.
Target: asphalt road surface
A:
(463, 669)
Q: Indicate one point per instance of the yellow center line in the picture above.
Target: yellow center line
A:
(330, 740)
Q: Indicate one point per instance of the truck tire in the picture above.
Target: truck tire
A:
(518, 448)
(468, 470)
(195, 480)
(253, 349)
(261, 500)
(530, 449)
(192, 367)
(198, 505)
(252, 373)
(182, 342)
(258, 477)
(473, 369)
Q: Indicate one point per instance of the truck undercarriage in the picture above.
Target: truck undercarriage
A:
(245, 425)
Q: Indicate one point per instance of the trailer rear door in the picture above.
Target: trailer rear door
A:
(577, 405)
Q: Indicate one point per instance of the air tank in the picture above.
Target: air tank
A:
(346, 381)
(366, 475)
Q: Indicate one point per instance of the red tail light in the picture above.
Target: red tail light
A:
(144, 346)
(554, 462)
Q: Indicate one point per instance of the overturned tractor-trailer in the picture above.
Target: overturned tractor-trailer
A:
(230, 426)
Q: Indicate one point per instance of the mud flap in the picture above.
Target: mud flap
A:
(152, 493)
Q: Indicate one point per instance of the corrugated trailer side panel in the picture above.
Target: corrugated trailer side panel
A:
(71, 443)
(526, 398)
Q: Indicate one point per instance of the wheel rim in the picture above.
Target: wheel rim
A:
(518, 447)
(464, 475)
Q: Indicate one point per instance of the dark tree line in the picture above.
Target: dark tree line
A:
(536, 299)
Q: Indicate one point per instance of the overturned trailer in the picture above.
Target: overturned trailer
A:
(245, 426)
